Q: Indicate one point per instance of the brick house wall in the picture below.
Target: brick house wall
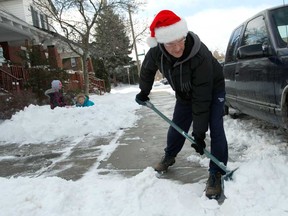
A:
(54, 57)
(73, 63)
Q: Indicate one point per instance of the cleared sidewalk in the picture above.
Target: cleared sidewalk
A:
(139, 147)
(143, 146)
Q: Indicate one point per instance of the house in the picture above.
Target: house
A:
(23, 29)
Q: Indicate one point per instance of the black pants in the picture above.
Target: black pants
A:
(182, 117)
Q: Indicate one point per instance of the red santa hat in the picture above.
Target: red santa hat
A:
(166, 27)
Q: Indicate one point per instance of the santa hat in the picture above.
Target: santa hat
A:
(166, 27)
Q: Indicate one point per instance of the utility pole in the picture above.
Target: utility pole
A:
(134, 40)
(128, 74)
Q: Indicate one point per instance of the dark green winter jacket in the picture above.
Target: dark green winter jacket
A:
(194, 77)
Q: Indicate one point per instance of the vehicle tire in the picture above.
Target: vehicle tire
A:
(226, 110)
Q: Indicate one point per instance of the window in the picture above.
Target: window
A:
(73, 62)
(255, 32)
(43, 23)
(233, 45)
(2, 59)
(35, 18)
(47, 23)
(280, 18)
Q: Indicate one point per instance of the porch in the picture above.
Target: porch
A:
(13, 79)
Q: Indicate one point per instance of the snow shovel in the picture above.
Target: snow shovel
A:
(228, 175)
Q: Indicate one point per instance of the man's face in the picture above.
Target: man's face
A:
(176, 48)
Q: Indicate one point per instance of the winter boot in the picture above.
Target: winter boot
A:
(163, 165)
(213, 186)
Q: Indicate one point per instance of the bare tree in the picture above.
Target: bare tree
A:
(77, 20)
(218, 55)
(112, 44)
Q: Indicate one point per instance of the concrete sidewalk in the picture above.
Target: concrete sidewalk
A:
(143, 146)
(140, 147)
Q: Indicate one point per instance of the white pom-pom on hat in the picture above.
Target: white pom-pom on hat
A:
(152, 42)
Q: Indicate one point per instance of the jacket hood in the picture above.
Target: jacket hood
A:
(196, 47)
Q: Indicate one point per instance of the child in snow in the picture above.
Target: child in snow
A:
(82, 100)
(54, 94)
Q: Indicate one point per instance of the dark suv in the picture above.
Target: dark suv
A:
(256, 67)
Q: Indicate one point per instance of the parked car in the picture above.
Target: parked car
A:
(256, 67)
(164, 81)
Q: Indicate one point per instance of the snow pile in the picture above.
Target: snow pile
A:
(259, 186)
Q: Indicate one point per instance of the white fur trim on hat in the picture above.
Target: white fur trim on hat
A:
(172, 32)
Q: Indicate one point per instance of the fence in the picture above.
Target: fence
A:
(13, 78)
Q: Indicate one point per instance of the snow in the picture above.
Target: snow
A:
(259, 186)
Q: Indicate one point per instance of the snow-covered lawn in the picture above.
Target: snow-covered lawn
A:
(259, 186)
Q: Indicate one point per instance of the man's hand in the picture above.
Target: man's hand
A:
(141, 98)
(199, 144)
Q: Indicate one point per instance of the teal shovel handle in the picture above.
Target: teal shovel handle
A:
(188, 137)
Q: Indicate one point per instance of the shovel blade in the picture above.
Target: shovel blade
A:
(229, 175)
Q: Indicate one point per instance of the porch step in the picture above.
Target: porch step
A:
(3, 91)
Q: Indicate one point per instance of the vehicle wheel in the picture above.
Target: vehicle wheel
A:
(235, 115)
(226, 110)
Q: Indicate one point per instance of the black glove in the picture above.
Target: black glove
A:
(199, 145)
(141, 98)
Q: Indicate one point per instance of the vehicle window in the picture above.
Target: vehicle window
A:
(255, 32)
(280, 17)
(233, 45)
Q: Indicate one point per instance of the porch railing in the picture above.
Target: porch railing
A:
(96, 84)
(12, 79)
